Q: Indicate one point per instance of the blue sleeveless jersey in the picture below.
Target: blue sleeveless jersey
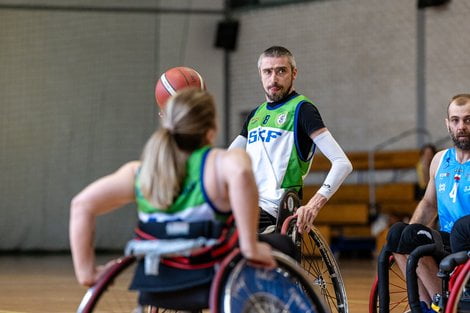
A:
(452, 189)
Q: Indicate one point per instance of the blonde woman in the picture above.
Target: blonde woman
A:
(180, 178)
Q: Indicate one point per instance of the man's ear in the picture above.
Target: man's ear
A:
(294, 73)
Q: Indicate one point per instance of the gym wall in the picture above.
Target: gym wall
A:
(77, 88)
(358, 61)
(77, 102)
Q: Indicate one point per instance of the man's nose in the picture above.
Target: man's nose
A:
(274, 77)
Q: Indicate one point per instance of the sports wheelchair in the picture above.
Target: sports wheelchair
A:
(316, 257)
(391, 292)
(236, 287)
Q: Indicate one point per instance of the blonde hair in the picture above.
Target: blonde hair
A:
(187, 118)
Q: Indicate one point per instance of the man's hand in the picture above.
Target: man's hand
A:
(306, 214)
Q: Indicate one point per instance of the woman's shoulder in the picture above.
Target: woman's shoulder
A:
(234, 155)
(131, 166)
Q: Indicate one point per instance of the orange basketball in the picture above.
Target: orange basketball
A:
(175, 79)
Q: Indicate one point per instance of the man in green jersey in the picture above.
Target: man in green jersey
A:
(281, 135)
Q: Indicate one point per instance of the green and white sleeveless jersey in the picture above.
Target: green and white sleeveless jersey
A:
(272, 146)
(191, 205)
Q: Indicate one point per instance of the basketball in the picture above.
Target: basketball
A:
(175, 79)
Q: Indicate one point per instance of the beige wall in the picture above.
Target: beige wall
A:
(358, 61)
(77, 88)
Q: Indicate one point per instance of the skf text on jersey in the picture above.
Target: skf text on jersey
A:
(262, 135)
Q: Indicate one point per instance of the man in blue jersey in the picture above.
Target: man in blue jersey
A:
(447, 196)
(281, 135)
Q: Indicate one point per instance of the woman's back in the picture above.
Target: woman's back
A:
(225, 181)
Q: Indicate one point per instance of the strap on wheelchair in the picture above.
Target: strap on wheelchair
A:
(439, 249)
(180, 230)
(436, 250)
(154, 250)
(193, 251)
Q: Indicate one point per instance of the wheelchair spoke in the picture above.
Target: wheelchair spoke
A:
(321, 266)
(254, 290)
(399, 288)
(398, 302)
(114, 296)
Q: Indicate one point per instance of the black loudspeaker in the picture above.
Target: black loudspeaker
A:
(431, 3)
(242, 3)
(227, 33)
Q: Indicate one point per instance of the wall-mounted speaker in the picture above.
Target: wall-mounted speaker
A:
(227, 33)
(431, 3)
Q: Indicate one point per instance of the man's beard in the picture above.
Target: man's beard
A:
(462, 145)
(279, 96)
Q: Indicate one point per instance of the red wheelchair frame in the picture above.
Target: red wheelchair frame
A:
(323, 272)
(230, 273)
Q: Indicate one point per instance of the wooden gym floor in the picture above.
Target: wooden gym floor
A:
(46, 283)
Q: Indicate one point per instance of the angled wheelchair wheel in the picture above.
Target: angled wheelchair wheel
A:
(398, 296)
(324, 270)
(111, 293)
(241, 288)
(459, 297)
(320, 264)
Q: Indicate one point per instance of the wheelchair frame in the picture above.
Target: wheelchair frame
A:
(451, 297)
(379, 300)
(221, 289)
(325, 273)
(386, 266)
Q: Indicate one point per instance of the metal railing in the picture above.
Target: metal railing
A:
(371, 161)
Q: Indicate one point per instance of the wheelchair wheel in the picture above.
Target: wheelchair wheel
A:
(459, 298)
(321, 266)
(111, 293)
(397, 291)
(241, 288)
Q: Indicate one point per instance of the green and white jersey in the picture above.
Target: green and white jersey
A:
(191, 205)
(272, 146)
